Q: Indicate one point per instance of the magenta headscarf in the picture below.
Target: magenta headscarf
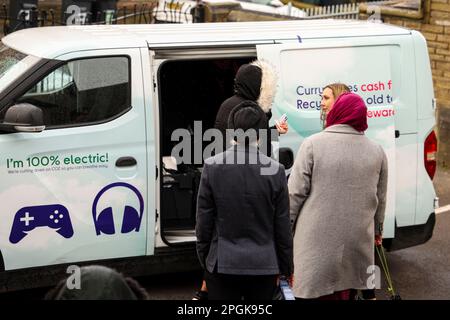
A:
(349, 108)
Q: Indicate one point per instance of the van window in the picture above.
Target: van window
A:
(83, 91)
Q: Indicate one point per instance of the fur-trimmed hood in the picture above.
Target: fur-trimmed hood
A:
(257, 81)
(268, 84)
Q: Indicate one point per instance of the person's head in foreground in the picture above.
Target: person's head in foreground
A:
(99, 283)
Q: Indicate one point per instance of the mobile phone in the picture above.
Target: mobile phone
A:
(286, 290)
(282, 119)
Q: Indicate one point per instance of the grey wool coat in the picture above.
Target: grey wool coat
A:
(337, 193)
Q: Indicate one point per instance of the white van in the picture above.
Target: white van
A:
(87, 114)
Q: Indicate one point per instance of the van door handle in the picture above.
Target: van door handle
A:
(126, 162)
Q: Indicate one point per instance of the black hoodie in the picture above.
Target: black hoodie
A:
(247, 86)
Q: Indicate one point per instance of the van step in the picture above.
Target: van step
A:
(177, 236)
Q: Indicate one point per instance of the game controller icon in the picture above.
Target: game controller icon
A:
(54, 216)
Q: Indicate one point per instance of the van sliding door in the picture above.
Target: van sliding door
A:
(304, 69)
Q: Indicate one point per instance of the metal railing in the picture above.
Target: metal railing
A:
(338, 11)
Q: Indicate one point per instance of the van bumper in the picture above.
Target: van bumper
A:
(410, 236)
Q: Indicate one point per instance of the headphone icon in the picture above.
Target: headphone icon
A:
(104, 223)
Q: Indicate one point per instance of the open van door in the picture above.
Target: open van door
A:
(304, 69)
(189, 85)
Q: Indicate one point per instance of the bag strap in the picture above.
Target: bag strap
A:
(384, 264)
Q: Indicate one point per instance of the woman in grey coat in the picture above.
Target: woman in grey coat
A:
(337, 192)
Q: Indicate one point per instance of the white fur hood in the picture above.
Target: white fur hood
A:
(268, 84)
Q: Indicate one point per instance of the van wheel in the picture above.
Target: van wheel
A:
(2, 263)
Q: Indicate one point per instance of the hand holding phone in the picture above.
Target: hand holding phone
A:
(282, 120)
(281, 124)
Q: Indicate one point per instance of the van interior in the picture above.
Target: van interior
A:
(189, 90)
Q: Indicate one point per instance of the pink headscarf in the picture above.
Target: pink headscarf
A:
(349, 108)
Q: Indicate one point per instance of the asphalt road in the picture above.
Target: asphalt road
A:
(421, 272)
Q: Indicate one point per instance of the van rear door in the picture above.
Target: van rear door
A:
(304, 69)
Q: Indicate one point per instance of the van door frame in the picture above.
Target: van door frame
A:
(159, 56)
(151, 114)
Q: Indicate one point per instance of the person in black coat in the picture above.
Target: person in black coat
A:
(244, 238)
(256, 82)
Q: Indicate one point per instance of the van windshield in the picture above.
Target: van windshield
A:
(13, 64)
(8, 58)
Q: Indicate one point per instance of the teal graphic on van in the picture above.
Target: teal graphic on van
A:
(54, 160)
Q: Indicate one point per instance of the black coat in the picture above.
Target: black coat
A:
(247, 86)
(243, 224)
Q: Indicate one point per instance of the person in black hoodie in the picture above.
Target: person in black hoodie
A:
(256, 81)
(244, 239)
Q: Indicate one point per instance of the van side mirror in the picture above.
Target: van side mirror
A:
(23, 117)
(286, 157)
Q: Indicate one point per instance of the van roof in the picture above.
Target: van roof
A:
(50, 42)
